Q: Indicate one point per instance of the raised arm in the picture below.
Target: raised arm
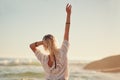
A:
(35, 44)
(67, 25)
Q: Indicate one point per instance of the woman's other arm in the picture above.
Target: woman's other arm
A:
(35, 44)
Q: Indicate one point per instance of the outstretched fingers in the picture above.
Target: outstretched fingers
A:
(68, 5)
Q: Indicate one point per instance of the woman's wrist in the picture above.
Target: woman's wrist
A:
(68, 14)
(67, 22)
(38, 43)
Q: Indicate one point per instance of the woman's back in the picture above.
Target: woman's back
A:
(61, 70)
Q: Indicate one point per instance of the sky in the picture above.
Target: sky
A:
(94, 31)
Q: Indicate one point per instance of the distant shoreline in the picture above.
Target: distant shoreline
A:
(108, 64)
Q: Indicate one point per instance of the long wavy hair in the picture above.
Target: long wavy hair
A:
(50, 44)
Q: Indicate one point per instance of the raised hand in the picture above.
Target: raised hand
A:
(68, 9)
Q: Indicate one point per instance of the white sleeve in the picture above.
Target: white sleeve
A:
(39, 55)
(65, 47)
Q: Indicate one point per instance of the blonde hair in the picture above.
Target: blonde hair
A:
(50, 44)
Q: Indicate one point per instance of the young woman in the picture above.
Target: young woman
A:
(56, 63)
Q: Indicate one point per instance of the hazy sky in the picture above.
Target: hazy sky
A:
(94, 32)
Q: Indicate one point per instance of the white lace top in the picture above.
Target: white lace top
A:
(61, 70)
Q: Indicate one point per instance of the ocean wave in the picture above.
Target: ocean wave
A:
(18, 62)
(22, 62)
(23, 74)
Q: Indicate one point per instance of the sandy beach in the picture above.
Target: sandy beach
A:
(108, 64)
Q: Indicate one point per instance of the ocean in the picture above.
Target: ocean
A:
(30, 69)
